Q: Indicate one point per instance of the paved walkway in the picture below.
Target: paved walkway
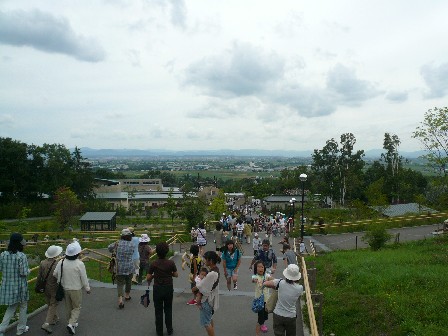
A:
(100, 315)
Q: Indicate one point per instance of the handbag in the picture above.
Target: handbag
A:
(258, 303)
(42, 283)
(112, 267)
(144, 299)
(272, 301)
(60, 290)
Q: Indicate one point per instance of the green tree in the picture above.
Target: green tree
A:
(193, 209)
(393, 165)
(433, 135)
(66, 206)
(218, 205)
(171, 206)
(337, 168)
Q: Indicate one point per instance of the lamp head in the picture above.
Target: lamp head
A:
(303, 177)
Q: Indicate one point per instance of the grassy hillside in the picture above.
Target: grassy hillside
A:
(400, 290)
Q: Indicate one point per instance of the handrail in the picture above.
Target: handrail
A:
(309, 300)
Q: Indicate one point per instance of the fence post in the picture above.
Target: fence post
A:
(312, 273)
(318, 300)
(356, 242)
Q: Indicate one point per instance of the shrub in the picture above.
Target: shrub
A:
(377, 237)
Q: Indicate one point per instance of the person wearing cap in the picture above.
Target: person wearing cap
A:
(48, 266)
(71, 273)
(135, 256)
(289, 291)
(256, 244)
(145, 251)
(124, 250)
(14, 286)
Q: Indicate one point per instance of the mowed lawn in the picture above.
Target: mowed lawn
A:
(399, 290)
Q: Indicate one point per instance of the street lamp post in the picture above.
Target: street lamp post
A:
(292, 201)
(303, 178)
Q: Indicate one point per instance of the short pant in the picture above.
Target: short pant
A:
(206, 314)
(231, 272)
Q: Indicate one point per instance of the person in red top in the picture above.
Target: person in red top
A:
(162, 271)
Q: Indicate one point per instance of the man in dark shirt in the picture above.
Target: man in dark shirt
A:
(162, 271)
(267, 256)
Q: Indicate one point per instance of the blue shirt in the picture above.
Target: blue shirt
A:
(136, 255)
(231, 259)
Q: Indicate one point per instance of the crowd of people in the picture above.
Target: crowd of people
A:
(132, 256)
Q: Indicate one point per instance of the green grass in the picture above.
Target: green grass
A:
(400, 290)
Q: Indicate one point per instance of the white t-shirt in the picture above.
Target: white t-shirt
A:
(201, 237)
(209, 294)
(240, 227)
(288, 294)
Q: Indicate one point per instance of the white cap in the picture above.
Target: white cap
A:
(53, 251)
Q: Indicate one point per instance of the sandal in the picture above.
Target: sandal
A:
(127, 298)
(121, 305)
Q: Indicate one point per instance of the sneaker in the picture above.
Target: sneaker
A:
(47, 328)
(192, 302)
(23, 331)
(235, 287)
(264, 328)
(71, 329)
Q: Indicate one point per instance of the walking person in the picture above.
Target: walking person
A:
(46, 270)
(207, 292)
(162, 271)
(218, 235)
(135, 256)
(145, 252)
(201, 238)
(289, 291)
(124, 251)
(267, 256)
(259, 278)
(231, 261)
(256, 243)
(14, 286)
(71, 273)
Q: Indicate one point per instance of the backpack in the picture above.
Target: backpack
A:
(199, 263)
(112, 267)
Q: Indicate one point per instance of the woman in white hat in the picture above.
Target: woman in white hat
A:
(289, 291)
(46, 270)
(71, 272)
(145, 251)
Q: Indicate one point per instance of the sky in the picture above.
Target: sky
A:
(213, 74)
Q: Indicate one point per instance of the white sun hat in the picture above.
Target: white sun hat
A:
(72, 249)
(144, 238)
(53, 251)
(292, 272)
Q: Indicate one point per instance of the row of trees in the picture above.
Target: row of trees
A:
(31, 173)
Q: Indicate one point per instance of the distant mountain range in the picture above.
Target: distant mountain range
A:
(91, 153)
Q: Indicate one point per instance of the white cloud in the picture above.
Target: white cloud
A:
(436, 78)
(47, 33)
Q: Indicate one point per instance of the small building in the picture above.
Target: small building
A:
(397, 210)
(99, 221)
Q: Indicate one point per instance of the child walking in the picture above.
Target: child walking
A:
(259, 278)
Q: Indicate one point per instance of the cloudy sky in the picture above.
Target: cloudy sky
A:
(212, 74)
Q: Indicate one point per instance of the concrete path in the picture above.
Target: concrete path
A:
(100, 315)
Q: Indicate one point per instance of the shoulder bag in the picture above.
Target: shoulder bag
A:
(272, 301)
(60, 291)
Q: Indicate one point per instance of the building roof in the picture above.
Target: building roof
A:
(138, 196)
(97, 216)
(284, 198)
(403, 209)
